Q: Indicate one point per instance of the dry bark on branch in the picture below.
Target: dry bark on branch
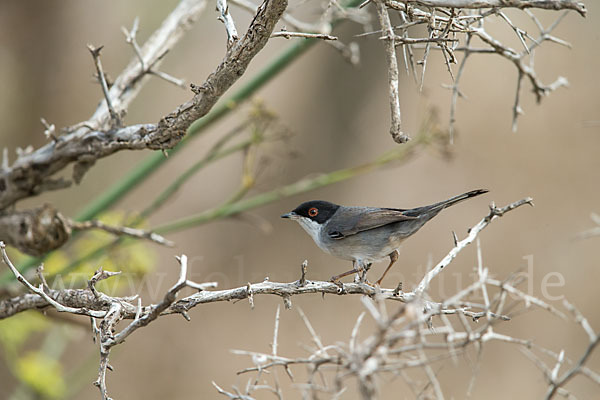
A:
(451, 25)
(520, 4)
(43, 229)
(31, 172)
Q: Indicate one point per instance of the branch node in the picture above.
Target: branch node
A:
(49, 130)
(250, 295)
(287, 302)
(303, 267)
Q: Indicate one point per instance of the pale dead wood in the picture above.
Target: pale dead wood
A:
(32, 172)
(392, 61)
(89, 143)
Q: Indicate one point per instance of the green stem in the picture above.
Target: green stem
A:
(304, 185)
(180, 180)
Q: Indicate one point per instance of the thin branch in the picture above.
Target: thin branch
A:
(455, 88)
(287, 18)
(121, 230)
(49, 130)
(40, 291)
(114, 115)
(392, 61)
(225, 18)
(131, 38)
(581, 320)
(289, 35)
(473, 232)
(520, 4)
(85, 147)
(400, 40)
(555, 386)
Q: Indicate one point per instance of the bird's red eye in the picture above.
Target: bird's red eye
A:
(313, 212)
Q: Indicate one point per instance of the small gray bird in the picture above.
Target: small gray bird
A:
(365, 234)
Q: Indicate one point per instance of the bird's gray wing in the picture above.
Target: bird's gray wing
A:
(363, 219)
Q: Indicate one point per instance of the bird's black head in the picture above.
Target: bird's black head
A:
(316, 210)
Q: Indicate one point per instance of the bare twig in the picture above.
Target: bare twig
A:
(473, 232)
(121, 230)
(289, 35)
(287, 18)
(225, 18)
(40, 291)
(443, 20)
(50, 130)
(114, 115)
(392, 61)
(84, 146)
(131, 38)
(521, 4)
(555, 386)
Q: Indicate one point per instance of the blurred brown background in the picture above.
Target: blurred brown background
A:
(340, 117)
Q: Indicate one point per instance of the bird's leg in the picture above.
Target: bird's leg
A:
(338, 277)
(357, 268)
(393, 258)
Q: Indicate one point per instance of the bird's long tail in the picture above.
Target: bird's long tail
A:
(434, 209)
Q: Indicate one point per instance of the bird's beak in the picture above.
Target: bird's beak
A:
(290, 215)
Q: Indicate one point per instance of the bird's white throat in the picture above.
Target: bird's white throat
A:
(311, 227)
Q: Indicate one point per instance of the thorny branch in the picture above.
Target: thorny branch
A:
(131, 38)
(28, 174)
(44, 228)
(114, 116)
(226, 18)
(288, 35)
(473, 232)
(556, 384)
(120, 230)
(400, 343)
(403, 347)
(32, 172)
(520, 4)
(112, 309)
(390, 50)
(451, 25)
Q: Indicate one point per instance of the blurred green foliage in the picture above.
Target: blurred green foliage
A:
(15, 331)
(41, 373)
(36, 366)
